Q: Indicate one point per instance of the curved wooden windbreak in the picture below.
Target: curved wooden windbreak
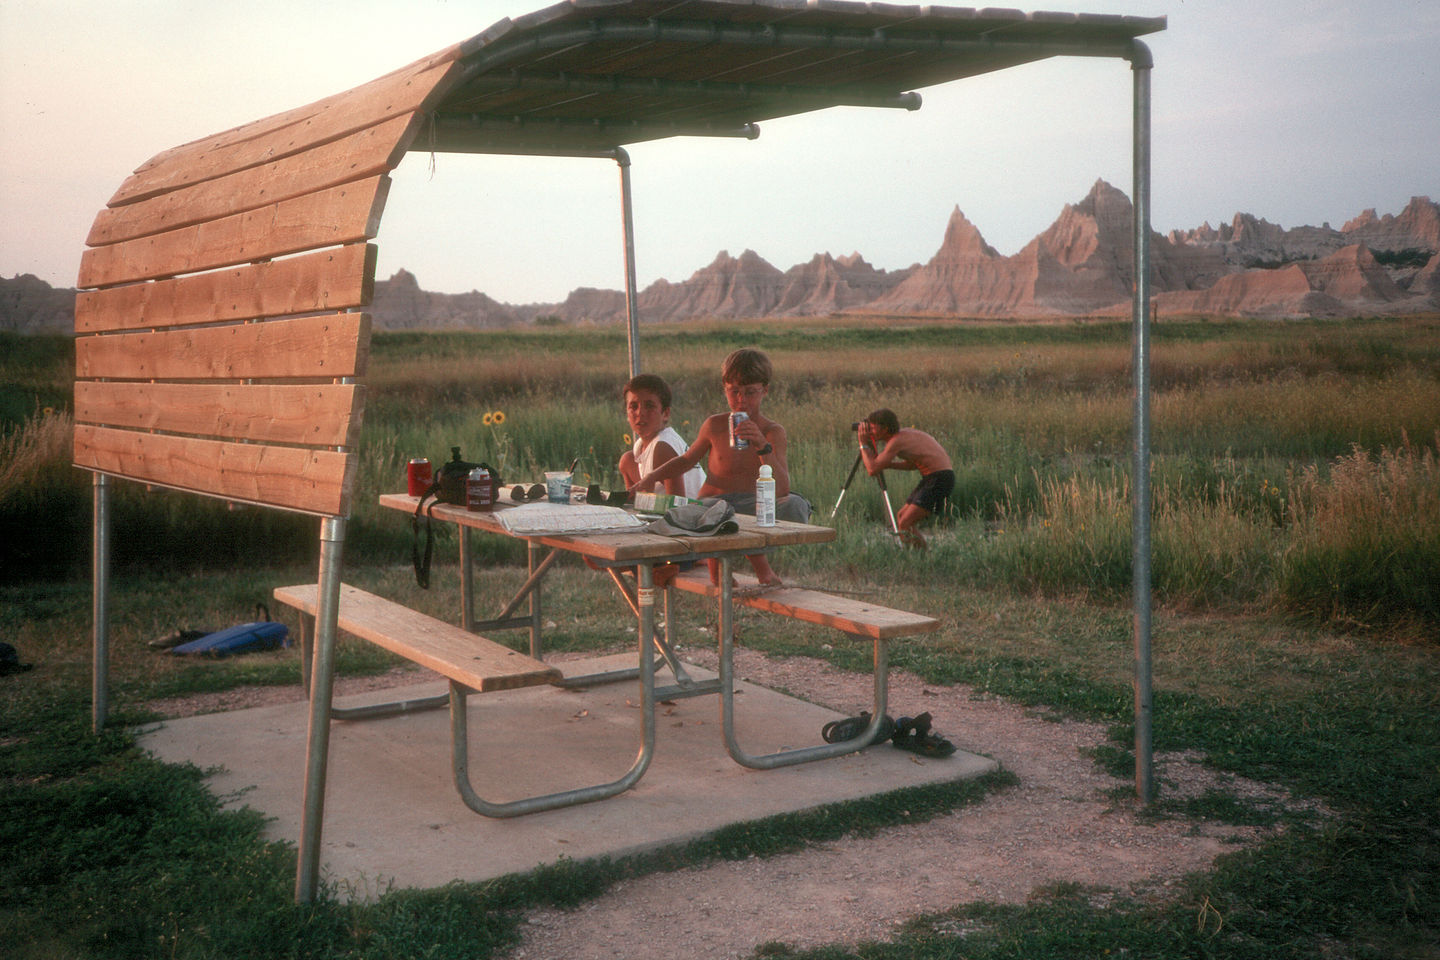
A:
(217, 343)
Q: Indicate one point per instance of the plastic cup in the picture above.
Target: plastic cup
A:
(557, 486)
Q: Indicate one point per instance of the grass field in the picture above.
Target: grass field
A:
(1297, 582)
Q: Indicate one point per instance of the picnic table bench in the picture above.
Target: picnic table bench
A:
(857, 618)
(860, 618)
(472, 663)
(477, 663)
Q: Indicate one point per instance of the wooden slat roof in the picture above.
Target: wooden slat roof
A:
(603, 73)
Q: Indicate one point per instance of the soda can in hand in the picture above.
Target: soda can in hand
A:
(736, 419)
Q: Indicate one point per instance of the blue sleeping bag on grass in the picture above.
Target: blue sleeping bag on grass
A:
(241, 638)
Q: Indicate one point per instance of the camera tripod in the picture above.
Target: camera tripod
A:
(884, 495)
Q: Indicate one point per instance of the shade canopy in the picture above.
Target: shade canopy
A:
(266, 225)
(221, 346)
(604, 73)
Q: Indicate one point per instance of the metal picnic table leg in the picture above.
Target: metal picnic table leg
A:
(537, 574)
(785, 758)
(665, 644)
(529, 590)
(467, 580)
(459, 734)
(685, 685)
(370, 711)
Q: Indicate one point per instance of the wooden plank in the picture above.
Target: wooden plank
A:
(317, 415)
(411, 89)
(337, 215)
(858, 617)
(331, 279)
(475, 661)
(291, 478)
(331, 346)
(367, 153)
(786, 533)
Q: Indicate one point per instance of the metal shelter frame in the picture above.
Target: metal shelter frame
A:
(263, 225)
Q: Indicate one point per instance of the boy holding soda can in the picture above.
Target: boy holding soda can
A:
(733, 447)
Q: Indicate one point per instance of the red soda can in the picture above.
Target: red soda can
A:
(417, 476)
(479, 491)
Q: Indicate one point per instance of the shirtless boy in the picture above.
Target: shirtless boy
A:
(731, 473)
(907, 449)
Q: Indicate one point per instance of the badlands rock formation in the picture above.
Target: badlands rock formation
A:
(1315, 271)
(400, 304)
(30, 305)
(1082, 265)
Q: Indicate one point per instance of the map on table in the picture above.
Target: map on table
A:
(536, 519)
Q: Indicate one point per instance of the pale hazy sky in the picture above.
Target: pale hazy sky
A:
(1299, 111)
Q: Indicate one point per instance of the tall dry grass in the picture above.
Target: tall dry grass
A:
(1365, 543)
(1274, 449)
(30, 452)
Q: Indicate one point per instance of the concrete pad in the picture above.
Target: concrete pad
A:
(393, 816)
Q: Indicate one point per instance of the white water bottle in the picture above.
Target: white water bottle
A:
(765, 497)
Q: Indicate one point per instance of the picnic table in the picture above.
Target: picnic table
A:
(616, 541)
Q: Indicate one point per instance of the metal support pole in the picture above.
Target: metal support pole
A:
(467, 580)
(531, 584)
(322, 677)
(100, 604)
(632, 306)
(1141, 65)
(537, 568)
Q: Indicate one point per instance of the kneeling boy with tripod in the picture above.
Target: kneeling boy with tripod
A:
(907, 449)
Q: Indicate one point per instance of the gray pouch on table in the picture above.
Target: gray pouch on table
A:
(696, 520)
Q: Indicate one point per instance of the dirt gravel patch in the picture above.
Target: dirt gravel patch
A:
(1061, 824)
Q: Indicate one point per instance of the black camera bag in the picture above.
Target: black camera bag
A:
(447, 487)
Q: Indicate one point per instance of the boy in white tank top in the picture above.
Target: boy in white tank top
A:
(647, 409)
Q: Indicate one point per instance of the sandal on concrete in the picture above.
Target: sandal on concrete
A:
(915, 735)
(851, 727)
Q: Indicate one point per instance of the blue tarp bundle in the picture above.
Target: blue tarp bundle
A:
(242, 638)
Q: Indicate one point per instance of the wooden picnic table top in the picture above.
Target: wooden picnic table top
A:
(630, 545)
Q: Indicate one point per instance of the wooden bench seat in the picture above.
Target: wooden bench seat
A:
(469, 659)
(473, 664)
(858, 617)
